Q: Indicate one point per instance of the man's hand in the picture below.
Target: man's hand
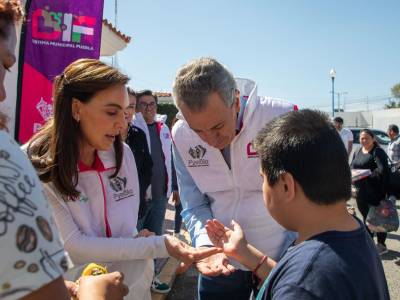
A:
(233, 242)
(176, 200)
(102, 287)
(215, 265)
(185, 253)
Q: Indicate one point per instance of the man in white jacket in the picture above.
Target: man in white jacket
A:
(159, 138)
(218, 170)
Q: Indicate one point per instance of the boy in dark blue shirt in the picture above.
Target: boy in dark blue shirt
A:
(306, 185)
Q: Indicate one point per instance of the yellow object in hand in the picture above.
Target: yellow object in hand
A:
(93, 269)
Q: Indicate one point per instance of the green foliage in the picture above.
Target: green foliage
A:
(168, 109)
(396, 91)
(394, 103)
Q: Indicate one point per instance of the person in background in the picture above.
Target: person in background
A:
(91, 180)
(33, 258)
(333, 256)
(372, 189)
(161, 182)
(393, 149)
(345, 134)
(136, 140)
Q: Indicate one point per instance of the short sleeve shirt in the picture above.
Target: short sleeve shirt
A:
(346, 136)
(393, 149)
(332, 265)
(31, 251)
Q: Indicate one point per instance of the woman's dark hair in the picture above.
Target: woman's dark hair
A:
(305, 144)
(131, 92)
(54, 150)
(371, 134)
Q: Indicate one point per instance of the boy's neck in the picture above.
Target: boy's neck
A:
(317, 219)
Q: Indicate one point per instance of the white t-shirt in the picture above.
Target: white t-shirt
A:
(31, 251)
(347, 136)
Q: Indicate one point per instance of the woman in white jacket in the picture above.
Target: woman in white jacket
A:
(91, 180)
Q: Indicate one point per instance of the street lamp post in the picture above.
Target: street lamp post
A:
(332, 73)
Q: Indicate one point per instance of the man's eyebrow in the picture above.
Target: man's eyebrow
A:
(215, 126)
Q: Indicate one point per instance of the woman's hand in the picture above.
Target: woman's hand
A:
(185, 253)
(102, 287)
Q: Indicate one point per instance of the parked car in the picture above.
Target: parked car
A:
(381, 137)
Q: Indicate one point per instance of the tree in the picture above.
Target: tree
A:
(396, 91)
(395, 102)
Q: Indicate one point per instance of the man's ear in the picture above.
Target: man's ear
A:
(76, 107)
(289, 186)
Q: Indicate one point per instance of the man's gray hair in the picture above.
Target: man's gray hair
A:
(197, 79)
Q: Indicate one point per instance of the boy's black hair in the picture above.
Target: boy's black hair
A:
(305, 144)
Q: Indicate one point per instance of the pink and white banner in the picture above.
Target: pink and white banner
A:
(56, 33)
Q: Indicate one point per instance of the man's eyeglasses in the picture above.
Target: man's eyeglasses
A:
(145, 105)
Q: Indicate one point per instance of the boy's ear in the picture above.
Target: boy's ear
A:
(289, 186)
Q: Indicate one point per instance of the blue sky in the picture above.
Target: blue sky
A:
(287, 47)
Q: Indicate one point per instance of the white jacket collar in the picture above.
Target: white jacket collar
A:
(108, 158)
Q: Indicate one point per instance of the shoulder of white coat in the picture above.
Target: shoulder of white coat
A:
(52, 193)
(181, 129)
(277, 105)
(128, 154)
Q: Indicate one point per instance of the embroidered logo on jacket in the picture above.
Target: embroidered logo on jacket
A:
(197, 153)
(118, 184)
(251, 152)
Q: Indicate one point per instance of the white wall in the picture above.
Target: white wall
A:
(379, 119)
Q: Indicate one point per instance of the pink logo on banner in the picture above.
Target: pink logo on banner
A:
(56, 26)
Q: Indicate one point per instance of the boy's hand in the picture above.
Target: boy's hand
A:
(185, 253)
(105, 287)
(232, 242)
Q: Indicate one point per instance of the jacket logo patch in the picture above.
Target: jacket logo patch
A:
(251, 152)
(197, 153)
(118, 184)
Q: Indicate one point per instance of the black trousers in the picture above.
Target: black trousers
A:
(363, 207)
